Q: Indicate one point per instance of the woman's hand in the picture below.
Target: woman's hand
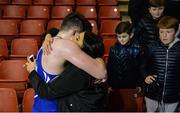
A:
(46, 46)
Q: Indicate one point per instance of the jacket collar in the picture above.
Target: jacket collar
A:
(172, 43)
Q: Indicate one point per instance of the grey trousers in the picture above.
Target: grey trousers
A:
(153, 105)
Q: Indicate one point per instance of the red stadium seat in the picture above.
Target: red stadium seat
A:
(86, 2)
(43, 2)
(64, 2)
(38, 12)
(59, 12)
(3, 49)
(54, 24)
(28, 100)
(94, 26)
(13, 75)
(8, 30)
(107, 2)
(109, 12)
(22, 2)
(5, 1)
(32, 29)
(108, 43)
(21, 48)
(108, 27)
(14, 12)
(88, 11)
(124, 100)
(9, 102)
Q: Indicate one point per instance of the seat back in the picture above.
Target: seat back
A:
(108, 27)
(5, 1)
(107, 2)
(94, 26)
(88, 11)
(13, 75)
(109, 12)
(59, 12)
(108, 43)
(9, 102)
(28, 100)
(86, 2)
(3, 48)
(22, 2)
(43, 2)
(14, 12)
(54, 24)
(38, 12)
(23, 48)
(8, 30)
(65, 2)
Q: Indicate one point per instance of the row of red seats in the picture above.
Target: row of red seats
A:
(60, 2)
(59, 12)
(9, 100)
(21, 48)
(127, 101)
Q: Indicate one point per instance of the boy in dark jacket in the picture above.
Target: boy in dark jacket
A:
(162, 78)
(123, 65)
(147, 30)
(124, 59)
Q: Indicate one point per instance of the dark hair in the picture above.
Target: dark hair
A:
(76, 21)
(93, 45)
(167, 22)
(122, 27)
(156, 3)
(52, 31)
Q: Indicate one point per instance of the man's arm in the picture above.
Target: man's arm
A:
(69, 81)
(72, 53)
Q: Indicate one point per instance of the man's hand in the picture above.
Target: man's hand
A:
(30, 66)
(149, 79)
(46, 46)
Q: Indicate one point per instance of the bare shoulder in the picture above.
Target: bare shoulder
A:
(65, 45)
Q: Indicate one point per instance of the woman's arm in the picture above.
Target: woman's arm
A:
(71, 80)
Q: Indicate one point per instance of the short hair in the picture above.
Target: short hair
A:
(167, 22)
(122, 27)
(93, 45)
(156, 3)
(52, 31)
(76, 21)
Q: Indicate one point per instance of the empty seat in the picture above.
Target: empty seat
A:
(22, 2)
(21, 48)
(32, 29)
(5, 1)
(14, 12)
(94, 26)
(13, 75)
(65, 2)
(108, 27)
(43, 2)
(86, 2)
(8, 30)
(124, 100)
(88, 11)
(9, 102)
(28, 100)
(3, 49)
(59, 12)
(108, 43)
(54, 24)
(109, 12)
(38, 12)
(107, 2)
